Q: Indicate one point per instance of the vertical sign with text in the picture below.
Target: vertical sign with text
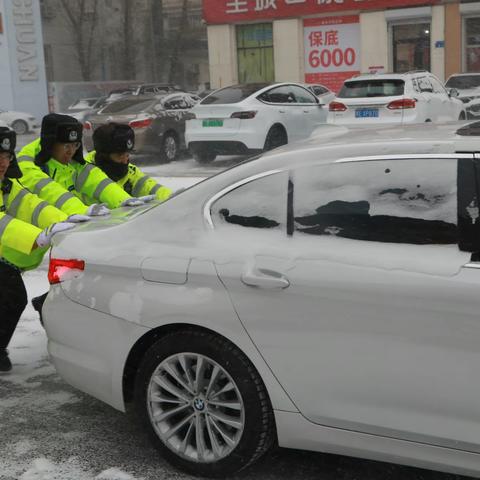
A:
(332, 50)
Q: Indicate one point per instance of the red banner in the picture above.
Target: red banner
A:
(228, 11)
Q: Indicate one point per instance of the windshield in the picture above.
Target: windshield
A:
(372, 88)
(463, 82)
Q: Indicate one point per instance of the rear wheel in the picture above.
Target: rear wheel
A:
(20, 127)
(276, 137)
(204, 404)
(203, 155)
(169, 148)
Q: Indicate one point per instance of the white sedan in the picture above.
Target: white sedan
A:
(322, 297)
(251, 118)
(20, 122)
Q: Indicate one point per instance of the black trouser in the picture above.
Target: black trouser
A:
(13, 300)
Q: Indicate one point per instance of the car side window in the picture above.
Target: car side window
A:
(259, 204)
(425, 85)
(320, 90)
(302, 95)
(391, 201)
(281, 94)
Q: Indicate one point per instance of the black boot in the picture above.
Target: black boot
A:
(37, 303)
(5, 363)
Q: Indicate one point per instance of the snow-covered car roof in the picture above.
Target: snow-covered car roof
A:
(332, 142)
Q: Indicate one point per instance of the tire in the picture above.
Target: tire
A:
(20, 127)
(203, 155)
(276, 137)
(169, 148)
(249, 425)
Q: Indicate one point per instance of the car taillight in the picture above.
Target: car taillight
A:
(87, 126)
(337, 107)
(402, 104)
(244, 115)
(61, 269)
(146, 122)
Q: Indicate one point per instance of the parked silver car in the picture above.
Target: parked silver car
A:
(323, 296)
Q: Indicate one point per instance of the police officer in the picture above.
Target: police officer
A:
(27, 225)
(54, 168)
(113, 144)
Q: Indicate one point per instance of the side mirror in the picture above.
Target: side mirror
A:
(453, 92)
(321, 102)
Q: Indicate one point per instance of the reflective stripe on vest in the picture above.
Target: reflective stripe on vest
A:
(139, 185)
(12, 209)
(25, 158)
(4, 224)
(101, 187)
(36, 213)
(40, 184)
(63, 199)
(82, 177)
(155, 189)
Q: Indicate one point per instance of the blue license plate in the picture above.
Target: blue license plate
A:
(366, 113)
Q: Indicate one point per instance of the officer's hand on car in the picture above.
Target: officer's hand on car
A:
(132, 202)
(44, 239)
(97, 210)
(78, 218)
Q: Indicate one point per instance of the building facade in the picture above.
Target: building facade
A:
(326, 41)
(137, 40)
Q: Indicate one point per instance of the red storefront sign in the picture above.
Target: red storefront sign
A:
(227, 11)
(332, 50)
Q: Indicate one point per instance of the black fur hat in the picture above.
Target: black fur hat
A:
(57, 128)
(8, 142)
(113, 138)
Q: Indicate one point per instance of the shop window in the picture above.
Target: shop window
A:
(255, 53)
(411, 47)
(472, 44)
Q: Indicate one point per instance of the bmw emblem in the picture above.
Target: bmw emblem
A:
(6, 144)
(199, 404)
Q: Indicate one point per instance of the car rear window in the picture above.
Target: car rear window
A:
(372, 88)
(463, 82)
(233, 94)
(128, 106)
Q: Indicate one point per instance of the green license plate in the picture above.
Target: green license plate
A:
(212, 123)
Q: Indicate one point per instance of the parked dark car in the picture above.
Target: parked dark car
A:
(158, 122)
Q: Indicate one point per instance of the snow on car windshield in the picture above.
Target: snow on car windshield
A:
(463, 82)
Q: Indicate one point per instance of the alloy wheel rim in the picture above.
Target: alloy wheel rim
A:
(195, 407)
(170, 147)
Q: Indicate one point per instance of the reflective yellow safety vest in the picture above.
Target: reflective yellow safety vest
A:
(136, 183)
(23, 216)
(71, 187)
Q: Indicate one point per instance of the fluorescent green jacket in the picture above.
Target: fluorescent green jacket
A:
(71, 187)
(22, 217)
(136, 183)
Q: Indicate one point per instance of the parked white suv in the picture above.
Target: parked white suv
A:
(412, 97)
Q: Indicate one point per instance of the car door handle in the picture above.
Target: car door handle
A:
(282, 111)
(306, 111)
(264, 278)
